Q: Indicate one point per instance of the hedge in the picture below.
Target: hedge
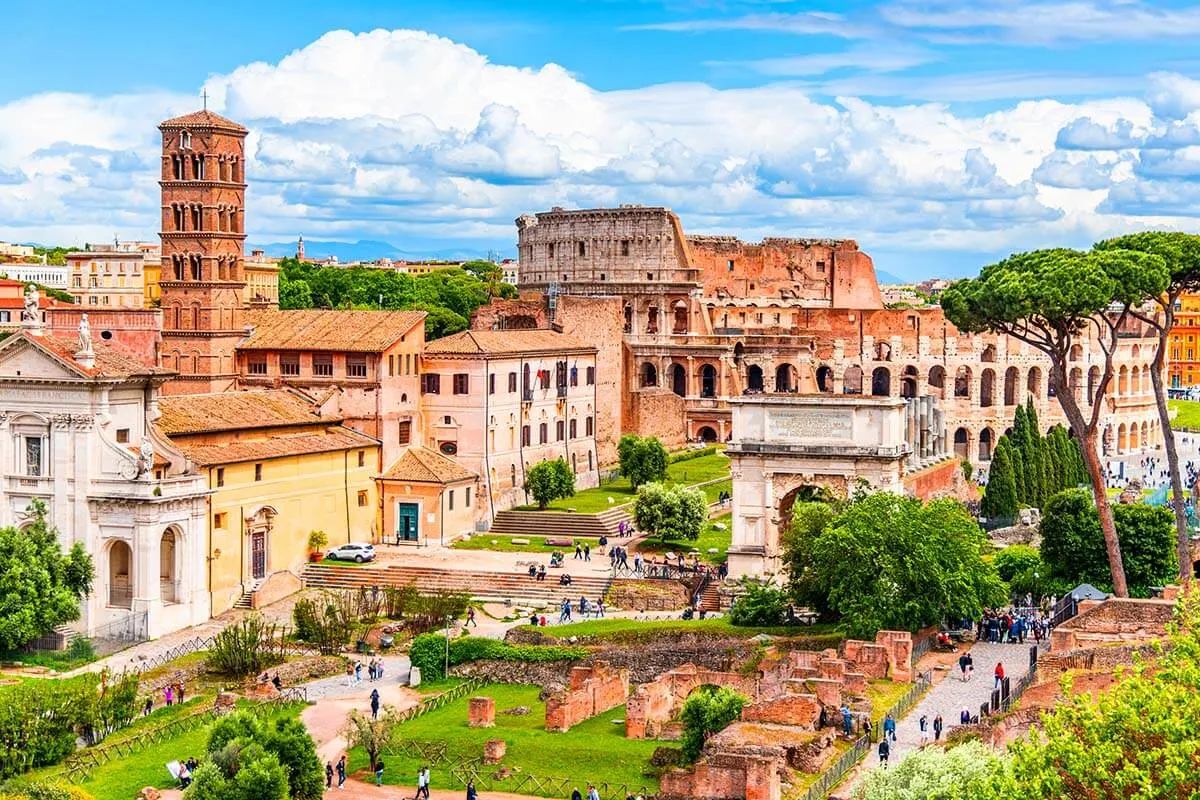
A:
(688, 455)
(428, 652)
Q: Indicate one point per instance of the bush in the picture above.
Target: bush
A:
(317, 541)
(21, 790)
(643, 459)
(246, 648)
(688, 455)
(248, 761)
(428, 651)
(707, 710)
(759, 606)
(670, 512)
(550, 481)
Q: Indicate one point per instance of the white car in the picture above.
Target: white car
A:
(354, 551)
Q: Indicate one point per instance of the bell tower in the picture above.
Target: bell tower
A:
(203, 245)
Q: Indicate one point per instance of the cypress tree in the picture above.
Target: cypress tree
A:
(1020, 454)
(1018, 471)
(1034, 456)
(1000, 497)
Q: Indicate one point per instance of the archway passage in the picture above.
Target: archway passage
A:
(962, 443)
(881, 382)
(708, 381)
(707, 434)
(649, 375)
(120, 575)
(678, 380)
(908, 382)
(985, 444)
(806, 493)
(786, 378)
(824, 379)
(937, 381)
(168, 576)
(754, 378)
(987, 387)
(852, 381)
(1012, 377)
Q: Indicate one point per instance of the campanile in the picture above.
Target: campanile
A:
(203, 245)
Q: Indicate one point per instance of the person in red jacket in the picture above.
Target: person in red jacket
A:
(999, 674)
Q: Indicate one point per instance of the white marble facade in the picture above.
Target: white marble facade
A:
(75, 433)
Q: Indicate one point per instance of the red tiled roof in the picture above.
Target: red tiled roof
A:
(315, 329)
(332, 440)
(109, 362)
(513, 342)
(422, 465)
(235, 411)
(201, 119)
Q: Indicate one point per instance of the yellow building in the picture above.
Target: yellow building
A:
(107, 278)
(151, 275)
(262, 281)
(277, 470)
(1183, 363)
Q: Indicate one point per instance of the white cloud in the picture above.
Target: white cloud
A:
(875, 58)
(804, 23)
(413, 138)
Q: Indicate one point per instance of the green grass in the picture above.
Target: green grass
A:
(596, 750)
(884, 694)
(504, 544)
(634, 629)
(60, 661)
(1186, 414)
(591, 501)
(709, 537)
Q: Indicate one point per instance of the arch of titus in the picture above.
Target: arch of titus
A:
(785, 444)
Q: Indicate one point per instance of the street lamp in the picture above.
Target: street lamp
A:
(449, 619)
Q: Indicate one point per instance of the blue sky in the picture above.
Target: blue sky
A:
(940, 135)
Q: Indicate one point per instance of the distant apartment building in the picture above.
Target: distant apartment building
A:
(109, 275)
(262, 280)
(1183, 347)
(49, 275)
(511, 270)
(8, 250)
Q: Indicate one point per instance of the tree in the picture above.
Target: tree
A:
(1073, 546)
(1000, 495)
(550, 481)
(805, 585)
(253, 762)
(892, 562)
(40, 586)
(707, 710)
(670, 512)
(1048, 299)
(372, 735)
(759, 605)
(642, 459)
(1181, 254)
(291, 743)
(294, 294)
(968, 771)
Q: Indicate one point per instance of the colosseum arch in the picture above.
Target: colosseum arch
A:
(708, 381)
(1076, 382)
(962, 382)
(987, 388)
(852, 380)
(1092, 384)
(962, 444)
(824, 379)
(985, 444)
(1033, 383)
(649, 374)
(1135, 380)
(1076, 352)
(908, 382)
(989, 354)
(754, 378)
(1123, 381)
(678, 380)
(1122, 439)
(937, 380)
(881, 382)
(1012, 376)
(883, 351)
(786, 378)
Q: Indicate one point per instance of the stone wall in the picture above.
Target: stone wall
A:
(592, 690)
(725, 776)
(632, 595)
(656, 702)
(1051, 666)
(528, 311)
(542, 673)
(659, 412)
(277, 586)
(599, 322)
(944, 479)
(1114, 620)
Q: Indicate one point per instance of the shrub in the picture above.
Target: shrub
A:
(707, 710)
(246, 648)
(550, 481)
(428, 651)
(372, 735)
(21, 790)
(248, 761)
(760, 606)
(643, 459)
(688, 455)
(670, 512)
(317, 541)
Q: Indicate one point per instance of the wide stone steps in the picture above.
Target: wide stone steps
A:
(710, 598)
(559, 523)
(514, 587)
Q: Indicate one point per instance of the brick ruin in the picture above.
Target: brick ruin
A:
(592, 690)
(1114, 621)
(481, 712)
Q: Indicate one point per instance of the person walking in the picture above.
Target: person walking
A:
(587, 552)
(847, 720)
(889, 727)
(341, 771)
(970, 665)
(374, 704)
(471, 617)
(379, 772)
(471, 793)
(999, 674)
(169, 694)
(592, 793)
(149, 706)
(328, 774)
(963, 661)
(884, 750)
(578, 551)
(923, 725)
(349, 674)
(576, 794)
(937, 727)
(358, 672)
(422, 783)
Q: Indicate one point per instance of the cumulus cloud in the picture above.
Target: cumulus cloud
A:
(1172, 95)
(407, 136)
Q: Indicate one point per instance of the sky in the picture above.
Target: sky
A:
(940, 135)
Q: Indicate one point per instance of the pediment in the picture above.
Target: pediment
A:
(22, 359)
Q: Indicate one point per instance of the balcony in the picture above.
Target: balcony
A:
(30, 484)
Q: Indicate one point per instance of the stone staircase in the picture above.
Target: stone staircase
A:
(710, 598)
(246, 601)
(559, 523)
(512, 587)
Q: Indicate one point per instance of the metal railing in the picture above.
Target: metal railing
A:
(130, 629)
(832, 776)
(120, 596)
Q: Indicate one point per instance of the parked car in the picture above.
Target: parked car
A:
(354, 551)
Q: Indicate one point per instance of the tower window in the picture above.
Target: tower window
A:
(624, 247)
(185, 140)
(821, 266)
(583, 248)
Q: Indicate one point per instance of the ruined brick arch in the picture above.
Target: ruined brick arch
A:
(1076, 353)
(787, 379)
(1012, 377)
(883, 351)
(962, 443)
(1033, 383)
(962, 382)
(937, 381)
(707, 433)
(708, 380)
(678, 377)
(986, 440)
(648, 374)
(825, 379)
(754, 378)
(908, 381)
(1075, 381)
(987, 387)
(881, 382)
(852, 380)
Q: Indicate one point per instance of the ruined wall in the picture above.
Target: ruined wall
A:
(598, 321)
(527, 311)
(944, 479)
(655, 703)
(661, 413)
(592, 690)
(1114, 620)
(725, 776)
(1051, 666)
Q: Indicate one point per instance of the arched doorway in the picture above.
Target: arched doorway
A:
(824, 379)
(937, 381)
(708, 381)
(168, 574)
(754, 378)
(1093, 382)
(985, 444)
(806, 493)
(649, 375)
(785, 378)
(679, 380)
(962, 444)
(1075, 379)
(1033, 384)
(852, 380)
(1011, 377)
(881, 382)
(707, 434)
(962, 382)
(739, 350)
(908, 382)
(120, 575)
(987, 387)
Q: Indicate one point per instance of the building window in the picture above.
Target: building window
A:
(542, 433)
(289, 364)
(185, 140)
(323, 365)
(451, 499)
(362, 499)
(258, 472)
(574, 429)
(405, 435)
(362, 458)
(574, 376)
(220, 477)
(449, 448)
(219, 520)
(729, 265)
(391, 366)
(591, 376)
(123, 435)
(33, 456)
(468, 500)
(431, 383)
(589, 427)
(544, 378)
(525, 436)
(821, 266)
(649, 276)
(408, 363)
(624, 247)
(492, 383)
(512, 382)
(257, 365)
(559, 427)
(461, 383)
(356, 366)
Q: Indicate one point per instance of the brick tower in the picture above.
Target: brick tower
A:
(203, 239)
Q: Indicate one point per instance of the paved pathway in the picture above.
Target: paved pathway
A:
(950, 695)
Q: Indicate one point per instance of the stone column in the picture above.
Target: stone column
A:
(689, 376)
(6, 459)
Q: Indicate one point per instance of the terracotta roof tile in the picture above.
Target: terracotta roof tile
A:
(422, 465)
(314, 329)
(514, 342)
(201, 119)
(332, 440)
(233, 411)
(109, 362)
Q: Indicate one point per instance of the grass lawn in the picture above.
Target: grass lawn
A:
(504, 544)
(58, 660)
(633, 629)
(1186, 414)
(592, 501)
(709, 537)
(595, 750)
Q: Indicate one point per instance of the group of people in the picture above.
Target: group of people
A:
(1013, 626)
(187, 769)
(354, 671)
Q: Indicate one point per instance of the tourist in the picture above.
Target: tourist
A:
(592, 793)
(937, 727)
(278, 684)
(149, 706)
(341, 771)
(576, 794)
(564, 580)
(578, 551)
(564, 611)
(603, 543)
(963, 661)
(533, 619)
(542, 620)
(599, 607)
(923, 725)
(185, 777)
(471, 793)
(179, 692)
(587, 552)
(999, 674)
(379, 772)
(471, 617)
(884, 750)
(867, 727)
(349, 674)
(532, 571)
(847, 720)
(541, 572)
(358, 672)
(374, 704)
(970, 665)
(823, 721)
(423, 783)
(169, 694)
(889, 727)
(964, 718)
(328, 774)
(583, 607)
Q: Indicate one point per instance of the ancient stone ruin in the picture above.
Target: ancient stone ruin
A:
(592, 690)
(481, 712)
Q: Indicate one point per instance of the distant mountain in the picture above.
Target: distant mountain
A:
(364, 250)
(887, 278)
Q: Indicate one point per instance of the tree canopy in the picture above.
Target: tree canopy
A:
(707, 710)
(40, 585)
(550, 481)
(251, 760)
(642, 459)
(670, 512)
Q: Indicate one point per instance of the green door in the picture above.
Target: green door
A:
(406, 522)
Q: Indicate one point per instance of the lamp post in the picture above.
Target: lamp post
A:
(449, 619)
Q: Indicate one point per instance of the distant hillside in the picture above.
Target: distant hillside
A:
(364, 250)
(888, 279)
